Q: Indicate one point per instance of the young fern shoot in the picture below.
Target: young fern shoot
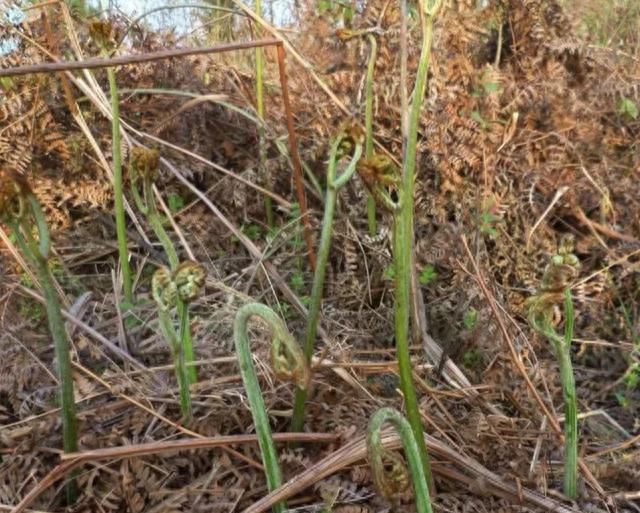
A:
(555, 289)
(184, 284)
(262, 147)
(288, 362)
(144, 167)
(368, 127)
(395, 481)
(20, 210)
(403, 229)
(353, 140)
(346, 35)
(102, 34)
(380, 174)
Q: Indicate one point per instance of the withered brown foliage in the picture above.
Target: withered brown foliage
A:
(521, 142)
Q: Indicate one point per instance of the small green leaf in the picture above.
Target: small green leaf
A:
(297, 280)
(252, 231)
(472, 359)
(175, 202)
(490, 87)
(632, 376)
(295, 211)
(628, 108)
(389, 272)
(125, 306)
(622, 399)
(6, 83)
(427, 274)
(477, 117)
(470, 318)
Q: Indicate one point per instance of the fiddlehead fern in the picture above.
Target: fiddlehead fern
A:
(350, 139)
(555, 288)
(288, 360)
(20, 210)
(388, 471)
(168, 290)
(144, 168)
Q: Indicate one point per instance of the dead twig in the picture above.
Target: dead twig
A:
(295, 159)
(96, 63)
(73, 460)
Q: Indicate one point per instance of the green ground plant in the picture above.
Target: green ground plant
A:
(168, 289)
(21, 211)
(555, 289)
(388, 471)
(288, 362)
(348, 142)
(403, 233)
(381, 175)
(143, 168)
(103, 35)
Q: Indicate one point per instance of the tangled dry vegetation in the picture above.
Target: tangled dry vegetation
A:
(527, 134)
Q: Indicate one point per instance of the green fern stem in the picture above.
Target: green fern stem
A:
(118, 194)
(378, 457)
(403, 238)
(262, 150)
(37, 253)
(147, 205)
(334, 184)
(541, 322)
(182, 373)
(287, 358)
(155, 220)
(368, 126)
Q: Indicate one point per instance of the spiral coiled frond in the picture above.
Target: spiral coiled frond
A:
(389, 473)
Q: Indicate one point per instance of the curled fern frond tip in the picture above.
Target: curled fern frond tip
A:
(145, 162)
(388, 469)
(163, 288)
(289, 363)
(189, 278)
(103, 34)
(14, 191)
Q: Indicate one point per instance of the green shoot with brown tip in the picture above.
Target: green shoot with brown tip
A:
(349, 139)
(555, 289)
(288, 362)
(21, 211)
(388, 470)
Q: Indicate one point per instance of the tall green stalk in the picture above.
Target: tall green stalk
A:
(390, 483)
(334, 184)
(118, 195)
(563, 353)
(144, 167)
(20, 209)
(403, 234)
(102, 34)
(555, 288)
(287, 360)
(368, 127)
(262, 150)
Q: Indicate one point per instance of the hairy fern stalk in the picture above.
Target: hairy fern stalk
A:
(403, 233)
(20, 209)
(387, 470)
(334, 184)
(287, 361)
